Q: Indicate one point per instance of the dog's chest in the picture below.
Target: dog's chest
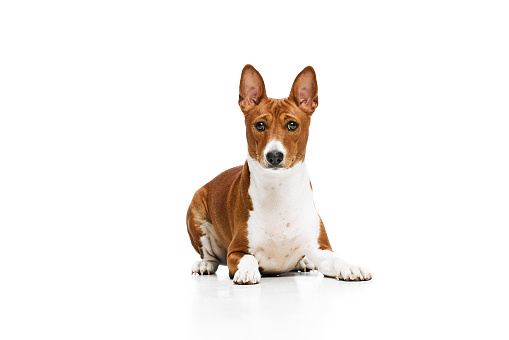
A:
(279, 240)
(284, 221)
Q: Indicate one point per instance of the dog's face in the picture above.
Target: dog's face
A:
(277, 129)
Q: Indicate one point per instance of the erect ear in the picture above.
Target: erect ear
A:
(305, 90)
(251, 89)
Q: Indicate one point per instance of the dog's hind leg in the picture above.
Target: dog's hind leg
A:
(203, 236)
(304, 265)
(212, 252)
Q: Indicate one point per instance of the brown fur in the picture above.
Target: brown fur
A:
(226, 206)
(225, 201)
(323, 240)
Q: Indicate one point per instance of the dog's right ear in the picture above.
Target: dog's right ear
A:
(251, 89)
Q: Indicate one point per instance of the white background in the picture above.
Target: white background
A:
(112, 113)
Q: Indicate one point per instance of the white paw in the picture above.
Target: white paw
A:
(348, 272)
(330, 265)
(305, 265)
(247, 272)
(204, 267)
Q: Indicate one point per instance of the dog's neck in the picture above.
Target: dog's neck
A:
(273, 187)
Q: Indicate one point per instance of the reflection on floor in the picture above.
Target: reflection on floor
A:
(299, 303)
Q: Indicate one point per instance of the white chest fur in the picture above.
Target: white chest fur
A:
(284, 221)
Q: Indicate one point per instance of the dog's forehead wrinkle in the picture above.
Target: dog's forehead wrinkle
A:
(274, 110)
(277, 107)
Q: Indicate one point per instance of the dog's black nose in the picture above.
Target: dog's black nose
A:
(274, 157)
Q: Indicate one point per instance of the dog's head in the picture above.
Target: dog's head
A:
(277, 129)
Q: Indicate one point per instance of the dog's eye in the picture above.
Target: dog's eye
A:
(260, 126)
(292, 126)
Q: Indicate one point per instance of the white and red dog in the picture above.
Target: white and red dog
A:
(260, 217)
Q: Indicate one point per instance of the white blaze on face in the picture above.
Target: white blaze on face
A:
(275, 146)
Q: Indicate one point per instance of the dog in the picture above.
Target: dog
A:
(260, 218)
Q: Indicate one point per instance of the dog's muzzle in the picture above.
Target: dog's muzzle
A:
(275, 159)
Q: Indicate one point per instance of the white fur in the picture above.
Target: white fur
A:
(212, 247)
(305, 265)
(284, 224)
(274, 145)
(247, 272)
(329, 264)
(284, 221)
(214, 253)
(202, 267)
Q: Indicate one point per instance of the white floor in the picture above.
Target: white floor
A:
(293, 304)
(307, 304)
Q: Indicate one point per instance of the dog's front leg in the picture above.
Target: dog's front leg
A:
(331, 265)
(243, 268)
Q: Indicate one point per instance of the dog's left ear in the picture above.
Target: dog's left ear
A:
(305, 90)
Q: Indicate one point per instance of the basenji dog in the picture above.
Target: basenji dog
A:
(260, 218)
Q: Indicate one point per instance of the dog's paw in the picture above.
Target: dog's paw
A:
(305, 265)
(348, 272)
(248, 272)
(204, 267)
